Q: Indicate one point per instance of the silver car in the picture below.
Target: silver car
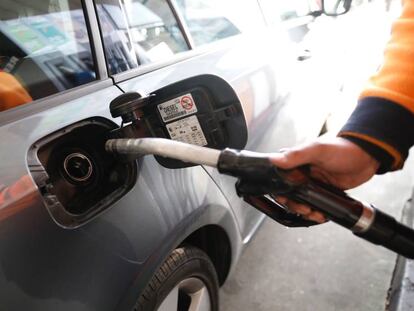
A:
(79, 228)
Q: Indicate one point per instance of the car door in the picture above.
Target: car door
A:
(211, 37)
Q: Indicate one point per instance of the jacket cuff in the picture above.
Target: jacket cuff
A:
(382, 128)
(385, 159)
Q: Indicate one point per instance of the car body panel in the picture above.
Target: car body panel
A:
(107, 254)
(105, 264)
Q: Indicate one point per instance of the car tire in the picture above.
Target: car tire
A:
(187, 279)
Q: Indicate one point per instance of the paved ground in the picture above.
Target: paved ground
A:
(320, 268)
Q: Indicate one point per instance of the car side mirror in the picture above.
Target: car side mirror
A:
(203, 110)
(335, 7)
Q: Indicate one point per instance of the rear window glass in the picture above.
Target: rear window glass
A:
(138, 32)
(44, 49)
(213, 20)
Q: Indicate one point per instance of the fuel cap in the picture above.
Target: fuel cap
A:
(129, 106)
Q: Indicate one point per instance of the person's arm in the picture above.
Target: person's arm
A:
(377, 136)
(382, 123)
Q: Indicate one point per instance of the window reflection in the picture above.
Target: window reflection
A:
(44, 49)
(119, 52)
(208, 21)
(138, 32)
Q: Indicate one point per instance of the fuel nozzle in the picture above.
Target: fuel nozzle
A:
(259, 181)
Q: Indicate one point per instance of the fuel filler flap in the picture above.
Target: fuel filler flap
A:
(202, 110)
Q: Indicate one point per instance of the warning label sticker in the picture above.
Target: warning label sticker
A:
(177, 108)
(187, 130)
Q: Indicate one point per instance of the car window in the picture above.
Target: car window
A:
(138, 32)
(212, 20)
(293, 9)
(276, 11)
(44, 49)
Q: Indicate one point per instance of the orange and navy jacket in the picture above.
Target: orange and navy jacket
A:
(12, 93)
(383, 121)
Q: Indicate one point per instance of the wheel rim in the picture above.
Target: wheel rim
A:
(190, 294)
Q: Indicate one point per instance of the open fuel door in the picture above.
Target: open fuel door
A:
(203, 110)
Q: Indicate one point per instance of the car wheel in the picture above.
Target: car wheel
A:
(186, 280)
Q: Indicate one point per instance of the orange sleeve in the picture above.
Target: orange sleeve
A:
(395, 79)
(383, 121)
(12, 93)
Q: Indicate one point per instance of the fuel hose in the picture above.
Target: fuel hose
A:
(258, 176)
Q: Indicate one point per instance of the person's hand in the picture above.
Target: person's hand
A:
(335, 161)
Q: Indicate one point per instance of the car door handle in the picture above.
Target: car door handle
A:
(304, 55)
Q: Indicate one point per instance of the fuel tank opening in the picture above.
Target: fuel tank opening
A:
(77, 178)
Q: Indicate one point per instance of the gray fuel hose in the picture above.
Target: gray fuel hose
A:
(166, 148)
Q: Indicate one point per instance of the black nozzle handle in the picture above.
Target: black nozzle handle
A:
(388, 232)
(258, 176)
(364, 220)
